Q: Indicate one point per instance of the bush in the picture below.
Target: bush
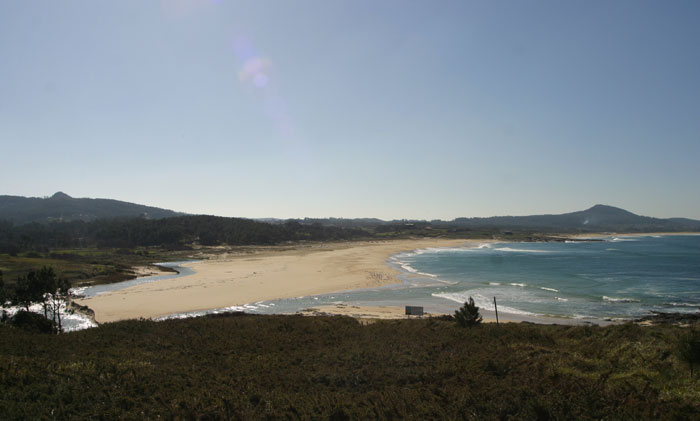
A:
(32, 322)
(468, 315)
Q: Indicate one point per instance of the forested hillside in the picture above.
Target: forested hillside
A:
(170, 232)
(62, 207)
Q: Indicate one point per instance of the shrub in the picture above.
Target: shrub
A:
(32, 322)
(468, 315)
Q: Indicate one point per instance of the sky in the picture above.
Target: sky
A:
(363, 108)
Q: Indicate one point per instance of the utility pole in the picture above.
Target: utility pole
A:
(496, 307)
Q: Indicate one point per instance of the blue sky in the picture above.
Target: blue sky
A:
(390, 109)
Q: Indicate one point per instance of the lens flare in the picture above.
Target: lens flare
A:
(256, 72)
(260, 80)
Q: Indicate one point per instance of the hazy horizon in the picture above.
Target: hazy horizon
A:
(387, 110)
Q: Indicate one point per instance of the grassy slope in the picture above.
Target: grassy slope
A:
(87, 266)
(249, 367)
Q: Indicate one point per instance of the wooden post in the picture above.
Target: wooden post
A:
(496, 307)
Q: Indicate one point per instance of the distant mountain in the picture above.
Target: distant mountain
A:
(597, 218)
(62, 207)
(600, 218)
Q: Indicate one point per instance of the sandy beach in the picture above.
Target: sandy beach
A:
(267, 274)
(370, 312)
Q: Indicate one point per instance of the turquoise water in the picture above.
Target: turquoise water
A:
(619, 277)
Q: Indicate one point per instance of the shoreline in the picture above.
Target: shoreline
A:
(368, 313)
(268, 274)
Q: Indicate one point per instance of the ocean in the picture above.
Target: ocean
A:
(618, 277)
(613, 278)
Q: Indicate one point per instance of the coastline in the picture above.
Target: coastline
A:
(269, 273)
(245, 276)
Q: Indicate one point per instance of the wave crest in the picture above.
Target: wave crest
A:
(481, 302)
(619, 300)
(512, 250)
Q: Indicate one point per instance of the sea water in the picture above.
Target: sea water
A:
(618, 277)
(615, 277)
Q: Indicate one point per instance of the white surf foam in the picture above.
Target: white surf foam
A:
(408, 268)
(411, 269)
(683, 304)
(549, 289)
(70, 320)
(481, 301)
(430, 275)
(619, 239)
(223, 310)
(77, 292)
(444, 250)
(512, 250)
(619, 300)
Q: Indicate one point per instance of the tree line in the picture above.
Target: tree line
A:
(168, 232)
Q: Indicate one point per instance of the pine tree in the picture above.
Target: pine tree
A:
(468, 315)
(27, 291)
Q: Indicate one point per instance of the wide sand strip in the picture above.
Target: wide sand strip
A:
(372, 312)
(268, 275)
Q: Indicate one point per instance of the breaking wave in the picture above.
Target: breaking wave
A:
(683, 304)
(619, 300)
(481, 301)
(512, 250)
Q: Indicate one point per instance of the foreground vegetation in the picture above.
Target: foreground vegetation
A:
(294, 367)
